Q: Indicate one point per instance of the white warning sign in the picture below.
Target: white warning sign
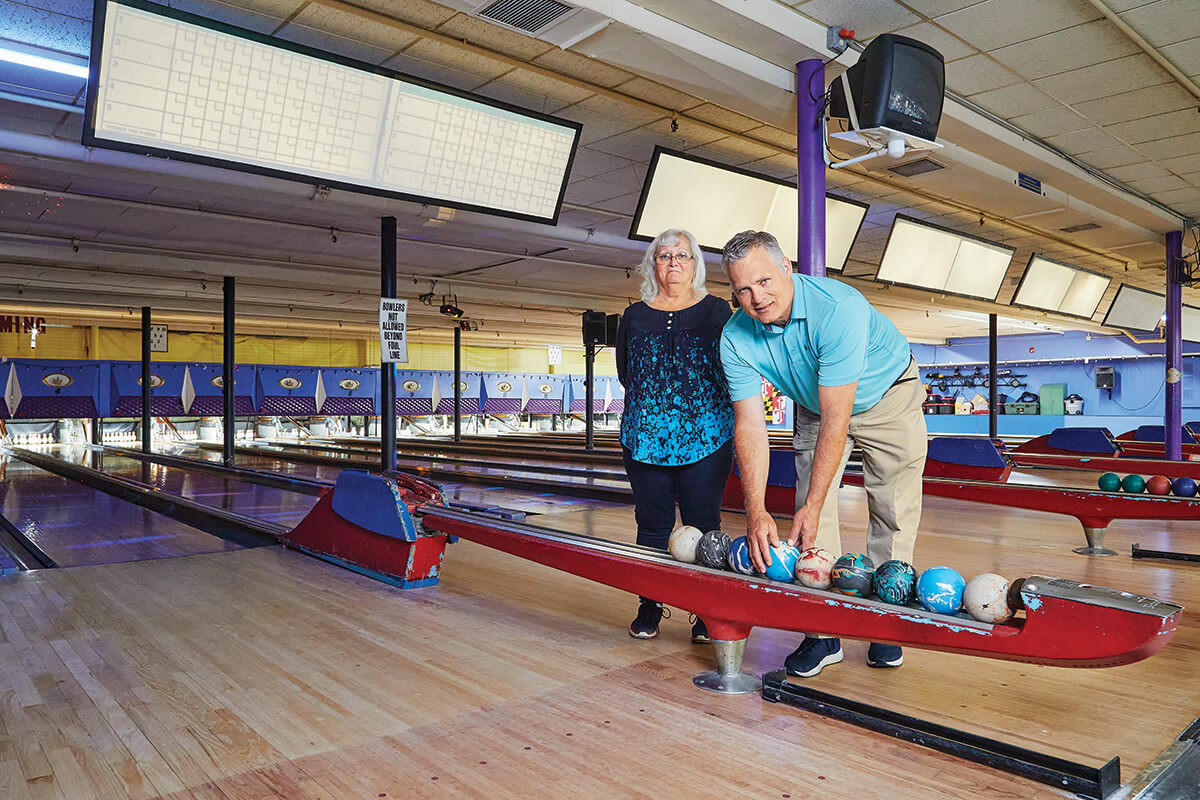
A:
(393, 331)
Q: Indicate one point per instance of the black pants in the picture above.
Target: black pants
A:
(696, 487)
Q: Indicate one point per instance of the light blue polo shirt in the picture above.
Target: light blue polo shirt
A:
(834, 337)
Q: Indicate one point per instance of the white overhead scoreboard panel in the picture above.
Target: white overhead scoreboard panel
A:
(173, 84)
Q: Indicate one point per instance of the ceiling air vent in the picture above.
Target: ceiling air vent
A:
(915, 168)
(528, 16)
(1087, 226)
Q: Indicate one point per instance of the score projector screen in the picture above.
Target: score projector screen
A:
(176, 85)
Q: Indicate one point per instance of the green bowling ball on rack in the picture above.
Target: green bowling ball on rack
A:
(1109, 482)
(1133, 483)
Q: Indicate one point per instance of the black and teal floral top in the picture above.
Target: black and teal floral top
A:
(677, 408)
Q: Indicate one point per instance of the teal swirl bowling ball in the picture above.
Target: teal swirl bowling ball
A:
(852, 574)
(782, 566)
(895, 582)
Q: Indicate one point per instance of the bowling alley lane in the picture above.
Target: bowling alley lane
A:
(280, 506)
(78, 526)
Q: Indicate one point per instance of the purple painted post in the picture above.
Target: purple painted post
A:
(1173, 416)
(810, 230)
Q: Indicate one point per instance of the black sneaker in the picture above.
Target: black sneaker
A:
(812, 655)
(699, 631)
(650, 612)
(884, 655)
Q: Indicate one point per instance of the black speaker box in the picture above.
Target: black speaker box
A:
(595, 327)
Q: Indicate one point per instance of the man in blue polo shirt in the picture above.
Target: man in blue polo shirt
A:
(853, 380)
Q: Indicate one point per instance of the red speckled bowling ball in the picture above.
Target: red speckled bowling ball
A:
(1158, 484)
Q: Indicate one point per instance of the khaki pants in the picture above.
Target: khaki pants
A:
(891, 435)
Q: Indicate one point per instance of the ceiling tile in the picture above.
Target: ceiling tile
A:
(353, 26)
(558, 93)
(867, 18)
(723, 118)
(458, 59)
(1132, 105)
(1112, 157)
(1161, 184)
(974, 74)
(658, 94)
(1139, 171)
(1052, 122)
(493, 37)
(595, 126)
(1065, 50)
(1101, 80)
(1165, 22)
(1015, 100)
(582, 68)
(438, 73)
(1160, 126)
(934, 8)
(997, 23)
(950, 46)
(635, 115)
(1182, 165)
(1185, 55)
(1184, 145)
(1082, 141)
(1184, 194)
(418, 12)
(589, 163)
(772, 135)
(636, 145)
(687, 133)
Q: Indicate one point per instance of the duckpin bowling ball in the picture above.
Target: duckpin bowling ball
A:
(815, 568)
(1184, 487)
(713, 549)
(683, 542)
(783, 563)
(940, 590)
(895, 582)
(1133, 483)
(1158, 484)
(852, 574)
(1109, 482)
(739, 557)
(986, 598)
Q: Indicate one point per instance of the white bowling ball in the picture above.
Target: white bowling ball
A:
(682, 543)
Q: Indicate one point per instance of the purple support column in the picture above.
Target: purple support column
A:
(810, 82)
(1173, 416)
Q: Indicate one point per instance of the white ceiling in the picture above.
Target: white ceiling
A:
(163, 233)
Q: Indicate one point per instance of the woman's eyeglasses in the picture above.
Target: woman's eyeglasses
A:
(666, 258)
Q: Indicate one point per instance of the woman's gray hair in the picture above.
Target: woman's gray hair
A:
(742, 243)
(672, 236)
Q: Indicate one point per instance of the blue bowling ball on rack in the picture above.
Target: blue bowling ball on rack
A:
(739, 557)
(940, 589)
(783, 563)
(1184, 487)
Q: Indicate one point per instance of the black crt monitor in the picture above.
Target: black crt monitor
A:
(898, 83)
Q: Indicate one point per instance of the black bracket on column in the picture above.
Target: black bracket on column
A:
(1066, 775)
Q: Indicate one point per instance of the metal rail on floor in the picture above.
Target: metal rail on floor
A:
(23, 550)
(1087, 781)
(236, 528)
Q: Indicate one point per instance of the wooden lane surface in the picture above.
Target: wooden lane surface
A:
(267, 674)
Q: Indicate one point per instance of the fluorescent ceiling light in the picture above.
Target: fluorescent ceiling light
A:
(177, 85)
(1064, 289)
(713, 202)
(926, 256)
(41, 62)
(1135, 309)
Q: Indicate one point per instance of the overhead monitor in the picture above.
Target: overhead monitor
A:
(1135, 309)
(168, 83)
(897, 83)
(713, 202)
(926, 256)
(1190, 323)
(1051, 285)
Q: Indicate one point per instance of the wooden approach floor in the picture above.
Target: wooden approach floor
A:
(267, 674)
